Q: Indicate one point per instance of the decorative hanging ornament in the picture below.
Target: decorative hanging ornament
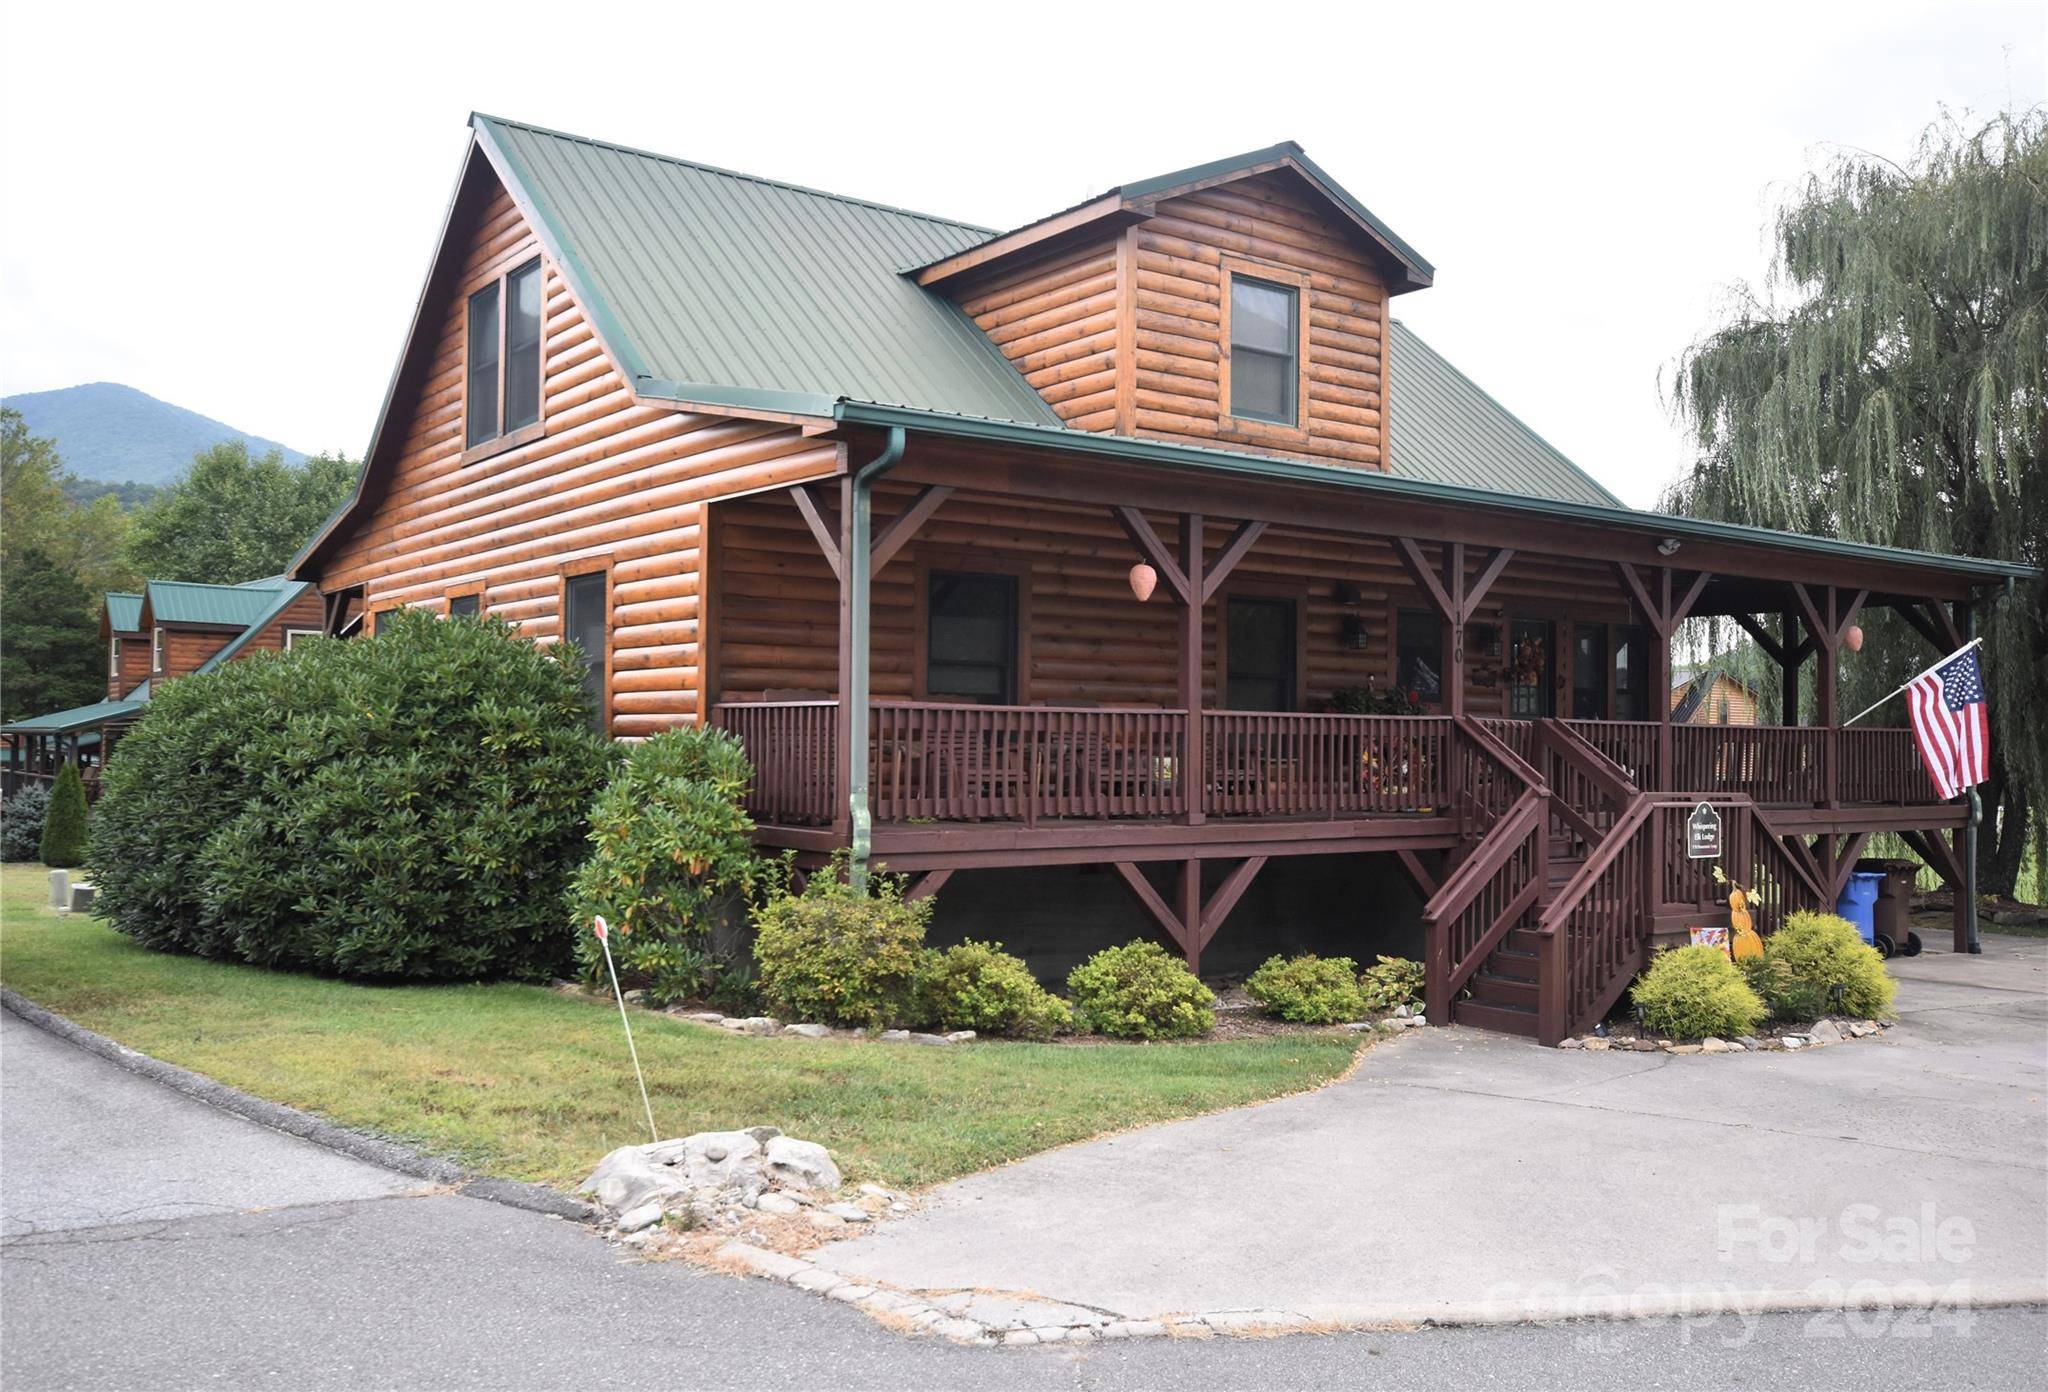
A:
(1854, 637)
(1144, 580)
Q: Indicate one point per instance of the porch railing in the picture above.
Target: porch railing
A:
(1265, 765)
(946, 762)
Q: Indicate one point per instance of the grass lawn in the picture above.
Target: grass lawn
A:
(521, 1082)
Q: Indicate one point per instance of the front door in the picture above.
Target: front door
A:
(1259, 654)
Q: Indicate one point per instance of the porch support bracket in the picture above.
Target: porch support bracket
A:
(821, 530)
(1196, 921)
(905, 524)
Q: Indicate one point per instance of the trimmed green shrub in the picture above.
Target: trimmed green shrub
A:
(671, 859)
(837, 955)
(64, 825)
(407, 805)
(1308, 989)
(978, 986)
(1140, 991)
(1391, 983)
(21, 822)
(1819, 952)
(1784, 995)
(1694, 993)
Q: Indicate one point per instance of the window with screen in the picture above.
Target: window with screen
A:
(1419, 654)
(503, 371)
(583, 623)
(1260, 654)
(1264, 344)
(971, 637)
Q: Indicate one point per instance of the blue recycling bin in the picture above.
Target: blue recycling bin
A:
(1859, 897)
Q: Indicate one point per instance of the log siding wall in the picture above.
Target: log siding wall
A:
(1089, 638)
(1124, 331)
(134, 670)
(609, 483)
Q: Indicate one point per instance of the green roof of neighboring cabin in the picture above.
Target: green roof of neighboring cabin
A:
(124, 611)
(77, 718)
(183, 601)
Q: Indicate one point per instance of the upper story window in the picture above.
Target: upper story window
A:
(504, 356)
(114, 660)
(1265, 345)
(293, 635)
(464, 605)
(156, 649)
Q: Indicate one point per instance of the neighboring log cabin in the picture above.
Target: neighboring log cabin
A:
(170, 630)
(1131, 571)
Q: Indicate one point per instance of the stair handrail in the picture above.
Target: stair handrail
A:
(1612, 778)
(1525, 817)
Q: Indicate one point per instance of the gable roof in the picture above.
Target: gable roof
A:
(717, 287)
(123, 611)
(1135, 201)
(1442, 426)
(281, 597)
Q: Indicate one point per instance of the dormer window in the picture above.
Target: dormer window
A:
(504, 357)
(156, 649)
(114, 660)
(1265, 345)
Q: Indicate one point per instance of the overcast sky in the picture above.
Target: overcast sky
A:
(232, 208)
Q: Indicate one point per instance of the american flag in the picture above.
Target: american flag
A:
(1950, 722)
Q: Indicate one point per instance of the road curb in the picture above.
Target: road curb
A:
(390, 1155)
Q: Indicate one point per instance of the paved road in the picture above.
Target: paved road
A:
(347, 1279)
(1458, 1168)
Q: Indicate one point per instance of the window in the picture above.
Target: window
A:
(1589, 671)
(156, 649)
(1419, 654)
(114, 660)
(293, 635)
(459, 605)
(971, 637)
(1260, 654)
(584, 624)
(1632, 675)
(1264, 342)
(1532, 665)
(504, 357)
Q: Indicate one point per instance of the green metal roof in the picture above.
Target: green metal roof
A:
(721, 287)
(181, 601)
(282, 598)
(1441, 426)
(124, 611)
(77, 718)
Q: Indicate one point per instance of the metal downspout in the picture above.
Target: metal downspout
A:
(858, 588)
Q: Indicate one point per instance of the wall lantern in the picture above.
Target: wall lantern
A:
(1356, 633)
(1144, 580)
(1853, 636)
(1668, 546)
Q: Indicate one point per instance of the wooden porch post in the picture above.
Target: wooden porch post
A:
(1788, 669)
(1664, 613)
(1829, 618)
(1193, 553)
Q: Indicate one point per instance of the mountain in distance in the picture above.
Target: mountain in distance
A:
(114, 434)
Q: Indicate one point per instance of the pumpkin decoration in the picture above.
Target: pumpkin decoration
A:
(1744, 941)
(1144, 580)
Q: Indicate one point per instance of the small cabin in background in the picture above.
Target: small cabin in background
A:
(1711, 696)
(171, 629)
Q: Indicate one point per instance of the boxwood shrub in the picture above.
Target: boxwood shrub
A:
(1308, 989)
(671, 859)
(838, 955)
(408, 805)
(1694, 993)
(1139, 991)
(978, 986)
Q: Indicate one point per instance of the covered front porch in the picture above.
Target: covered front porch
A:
(967, 654)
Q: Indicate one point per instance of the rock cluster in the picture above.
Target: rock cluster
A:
(715, 1178)
(768, 1024)
(1820, 1032)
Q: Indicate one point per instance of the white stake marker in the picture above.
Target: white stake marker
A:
(603, 940)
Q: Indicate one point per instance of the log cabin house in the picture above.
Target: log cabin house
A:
(171, 629)
(1131, 570)
(1712, 696)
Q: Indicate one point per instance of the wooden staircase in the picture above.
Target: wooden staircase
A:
(1502, 993)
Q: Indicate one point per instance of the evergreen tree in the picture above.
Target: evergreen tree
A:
(51, 657)
(1886, 385)
(64, 825)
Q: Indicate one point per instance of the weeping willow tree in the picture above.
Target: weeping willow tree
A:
(1885, 384)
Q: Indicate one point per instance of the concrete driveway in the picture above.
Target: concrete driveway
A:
(1461, 1173)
